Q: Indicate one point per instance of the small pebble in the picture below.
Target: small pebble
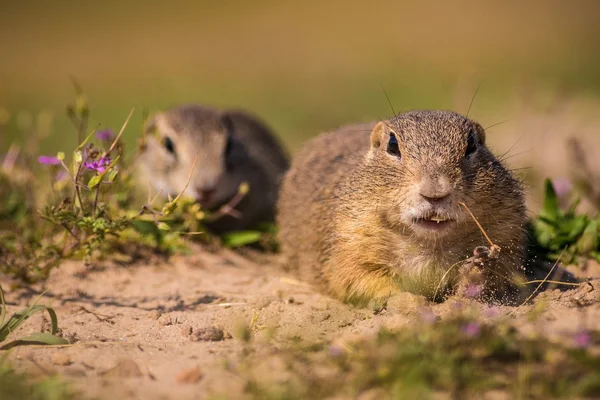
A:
(165, 320)
(209, 334)
(124, 369)
(155, 314)
(61, 358)
(190, 375)
(186, 330)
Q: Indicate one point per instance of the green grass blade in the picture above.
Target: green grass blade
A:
(36, 338)
(241, 238)
(86, 140)
(2, 307)
(20, 317)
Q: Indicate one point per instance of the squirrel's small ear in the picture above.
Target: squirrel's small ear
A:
(150, 125)
(480, 132)
(377, 134)
(227, 123)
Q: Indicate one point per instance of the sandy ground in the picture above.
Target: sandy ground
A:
(169, 330)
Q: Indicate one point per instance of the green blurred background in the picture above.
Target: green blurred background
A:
(302, 66)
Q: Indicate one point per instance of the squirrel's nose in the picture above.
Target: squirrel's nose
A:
(435, 198)
(205, 194)
(435, 192)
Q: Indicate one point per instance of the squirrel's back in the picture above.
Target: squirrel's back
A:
(306, 195)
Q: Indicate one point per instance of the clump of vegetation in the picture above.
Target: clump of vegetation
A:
(18, 318)
(566, 235)
(19, 386)
(459, 356)
(85, 205)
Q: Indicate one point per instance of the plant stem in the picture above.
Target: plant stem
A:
(77, 191)
(96, 199)
(71, 232)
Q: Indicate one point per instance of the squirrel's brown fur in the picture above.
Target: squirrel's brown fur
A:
(349, 210)
(230, 146)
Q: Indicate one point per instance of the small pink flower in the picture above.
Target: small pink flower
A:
(62, 174)
(582, 339)
(471, 329)
(473, 291)
(562, 186)
(99, 166)
(105, 135)
(428, 316)
(48, 160)
(491, 312)
(335, 351)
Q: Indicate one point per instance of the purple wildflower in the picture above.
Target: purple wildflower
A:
(106, 135)
(428, 316)
(562, 187)
(335, 351)
(99, 165)
(492, 312)
(471, 329)
(48, 160)
(582, 339)
(62, 174)
(473, 291)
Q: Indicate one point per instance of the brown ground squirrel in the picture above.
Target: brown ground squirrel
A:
(231, 147)
(367, 218)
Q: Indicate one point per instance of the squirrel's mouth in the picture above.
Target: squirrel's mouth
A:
(434, 222)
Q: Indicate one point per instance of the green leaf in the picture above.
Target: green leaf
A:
(163, 226)
(36, 338)
(572, 228)
(550, 209)
(240, 238)
(589, 239)
(544, 232)
(94, 181)
(2, 307)
(113, 175)
(595, 255)
(87, 139)
(169, 207)
(18, 318)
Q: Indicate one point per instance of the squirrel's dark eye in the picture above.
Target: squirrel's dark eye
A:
(392, 147)
(168, 143)
(471, 145)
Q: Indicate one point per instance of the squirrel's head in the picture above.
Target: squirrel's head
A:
(431, 161)
(177, 138)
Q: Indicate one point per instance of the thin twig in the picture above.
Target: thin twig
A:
(114, 143)
(96, 199)
(551, 281)
(64, 225)
(538, 286)
(188, 181)
(228, 208)
(444, 277)
(477, 222)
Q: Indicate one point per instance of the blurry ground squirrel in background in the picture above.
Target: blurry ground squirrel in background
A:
(367, 216)
(231, 147)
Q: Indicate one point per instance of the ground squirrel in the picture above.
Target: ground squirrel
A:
(370, 215)
(231, 147)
